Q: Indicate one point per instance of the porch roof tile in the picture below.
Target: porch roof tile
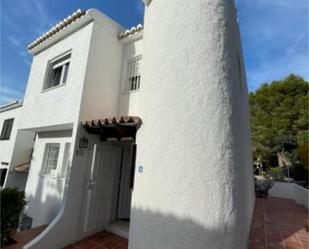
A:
(118, 120)
(57, 28)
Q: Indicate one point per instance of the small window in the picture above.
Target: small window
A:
(134, 73)
(57, 73)
(7, 129)
(50, 159)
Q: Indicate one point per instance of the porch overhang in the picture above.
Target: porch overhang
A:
(116, 127)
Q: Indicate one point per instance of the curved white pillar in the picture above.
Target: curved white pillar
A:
(194, 182)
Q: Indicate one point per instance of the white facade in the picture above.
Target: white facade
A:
(192, 183)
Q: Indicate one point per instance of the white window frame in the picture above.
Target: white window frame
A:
(45, 169)
(52, 65)
(134, 71)
(65, 160)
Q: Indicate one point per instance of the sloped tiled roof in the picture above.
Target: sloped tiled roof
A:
(122, 120)
(57, 28)
(130, 32)
(116, 127)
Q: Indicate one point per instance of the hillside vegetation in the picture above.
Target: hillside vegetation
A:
(279, 122)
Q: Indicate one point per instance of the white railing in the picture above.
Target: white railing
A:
(290, 191)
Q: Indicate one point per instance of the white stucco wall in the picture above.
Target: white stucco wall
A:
(44, 192)
(67, 226)
(129, 101)
(290, 191)
(100, 94)
(196, 185)
(99, 99)
(61, 104)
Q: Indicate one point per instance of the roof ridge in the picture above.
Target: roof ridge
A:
(57, 28)
(128, 32)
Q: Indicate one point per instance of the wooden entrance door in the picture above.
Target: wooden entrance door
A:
(125, 191)
(100, 190)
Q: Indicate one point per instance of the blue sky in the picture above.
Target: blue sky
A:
(274, 35)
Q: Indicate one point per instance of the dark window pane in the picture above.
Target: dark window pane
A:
(7, 128)
(3, 176)
(56, 75)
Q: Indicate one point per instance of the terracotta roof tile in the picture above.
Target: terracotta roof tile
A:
(129, 32)
(57, 28)
(121, 120)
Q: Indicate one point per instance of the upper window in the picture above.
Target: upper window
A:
(57, 71)
(50, 159)
(134, 73)
(7, 128)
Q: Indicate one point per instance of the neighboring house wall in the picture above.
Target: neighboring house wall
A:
(22, 154)
(7, 146)
(129, 101)
(196, 182)
(290, 191)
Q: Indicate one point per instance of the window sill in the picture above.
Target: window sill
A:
(130, 92)
(52, 88)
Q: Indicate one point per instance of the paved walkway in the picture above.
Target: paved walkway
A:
(279, 224)
(24, 237)
(103, 240)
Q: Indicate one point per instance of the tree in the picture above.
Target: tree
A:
(279, 120)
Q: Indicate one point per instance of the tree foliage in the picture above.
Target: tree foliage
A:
(279, 120)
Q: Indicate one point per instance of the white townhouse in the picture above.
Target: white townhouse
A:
(142, 132)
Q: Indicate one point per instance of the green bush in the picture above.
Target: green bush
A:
(275, 172)
(12, 205)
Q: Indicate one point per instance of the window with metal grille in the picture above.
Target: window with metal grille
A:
(134, 73)
(50, 158)
(6, 129)
(57, 71)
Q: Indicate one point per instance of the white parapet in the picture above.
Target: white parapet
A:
(290, 191)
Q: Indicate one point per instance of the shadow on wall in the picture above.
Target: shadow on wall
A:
(167, 231)
(43, 206)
